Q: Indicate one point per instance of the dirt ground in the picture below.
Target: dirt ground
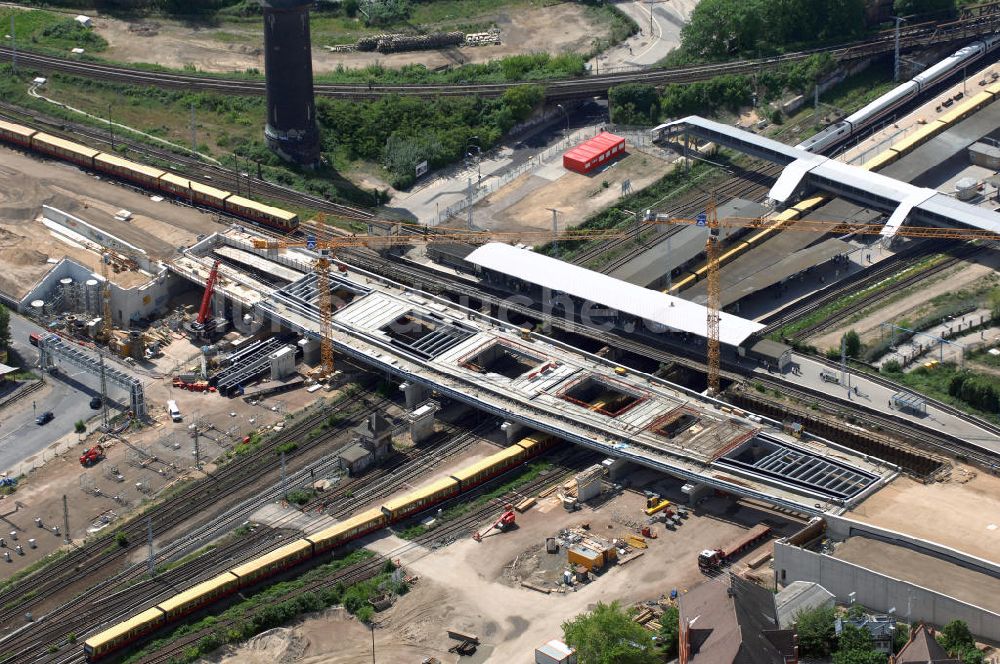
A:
(554, 29)
(963, 513)
(915, 304)
(27, 246)
(468, 586)
(525, 203)
(954, 580)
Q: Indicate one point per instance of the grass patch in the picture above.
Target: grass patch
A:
(268, 612)
(832, 308)
(32, 568)
(186, 559)
(49, 31)
(527, 473)
(938, 383)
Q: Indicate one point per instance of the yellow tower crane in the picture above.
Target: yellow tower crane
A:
(712, 252)
(714, 298)
(106, 298)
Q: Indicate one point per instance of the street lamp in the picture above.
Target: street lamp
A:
(478, 155)
(560, 107)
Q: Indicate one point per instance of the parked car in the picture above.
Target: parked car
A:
(96, 403)
(45, 417)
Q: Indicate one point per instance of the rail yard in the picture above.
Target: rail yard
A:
(242, 422)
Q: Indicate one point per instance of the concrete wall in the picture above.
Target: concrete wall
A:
(145, 301)
(126, 303)
(880, 591)
(95, 234)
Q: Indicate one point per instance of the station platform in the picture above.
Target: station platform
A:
(877, 397)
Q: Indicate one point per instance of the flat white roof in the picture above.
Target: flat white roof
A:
(894, 192)
(654, 306)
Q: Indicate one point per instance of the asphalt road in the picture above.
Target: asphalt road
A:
(67, 394)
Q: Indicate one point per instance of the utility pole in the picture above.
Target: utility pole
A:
(197, 449)
(13, 45)
(470, 203)
(843, 361)
(236, 171)
(895, 75)
(111, 127)
(104, 391)
(66, 537)
(555, 230)
(149, 543)
(284, 486)
(194, 132)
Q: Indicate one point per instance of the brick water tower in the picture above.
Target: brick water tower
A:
(291, 129)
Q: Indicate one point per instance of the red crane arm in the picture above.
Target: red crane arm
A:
(206, 300)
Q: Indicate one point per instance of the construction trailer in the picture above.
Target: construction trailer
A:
(595, 153)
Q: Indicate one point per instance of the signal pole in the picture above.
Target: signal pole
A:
(66, 537)
(13, 45)
(895, 75)
(149, 542)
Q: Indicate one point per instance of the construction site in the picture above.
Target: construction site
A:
(502, 419)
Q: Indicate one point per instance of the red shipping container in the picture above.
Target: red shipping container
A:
(596, 152)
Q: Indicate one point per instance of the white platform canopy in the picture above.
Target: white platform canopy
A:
(587, 285)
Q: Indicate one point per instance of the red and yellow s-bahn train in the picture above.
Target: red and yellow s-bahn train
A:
(148, 177)
(122, 634)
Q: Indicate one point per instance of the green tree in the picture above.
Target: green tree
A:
(995, 304)
(727, 28)
(971, 655)
(816, 633)
(670, 631)
(940, 8)
(4, 328)
(633, 103)
(859, 657)
(955, 637)
(854, 646)
(852, 343)
(607, 635)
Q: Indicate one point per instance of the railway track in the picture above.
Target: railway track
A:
(185, 165)
(866, 279)
(173, 511)
(933, 439)
(98, 611)
(449, 531)
(752, 182)
(913, 37)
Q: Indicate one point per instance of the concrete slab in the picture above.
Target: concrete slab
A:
(286, 516)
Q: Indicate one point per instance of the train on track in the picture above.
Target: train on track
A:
(856, 122)
(148, 177)
(250, 573)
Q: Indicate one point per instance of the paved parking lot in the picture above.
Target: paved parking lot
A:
(66, 393)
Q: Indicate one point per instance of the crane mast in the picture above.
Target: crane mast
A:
(714, 298)
(325, 314)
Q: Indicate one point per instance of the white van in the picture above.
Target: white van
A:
(175, 412)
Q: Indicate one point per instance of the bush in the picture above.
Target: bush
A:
(121, 539)
(852, 343)
(80, 426)
(891, 366)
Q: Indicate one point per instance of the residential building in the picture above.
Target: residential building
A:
(733, 621)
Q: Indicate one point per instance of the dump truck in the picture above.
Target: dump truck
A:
(711, 559)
